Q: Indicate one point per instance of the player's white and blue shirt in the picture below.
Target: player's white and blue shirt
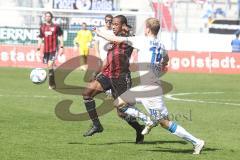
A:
(150, 54)
(149, 92)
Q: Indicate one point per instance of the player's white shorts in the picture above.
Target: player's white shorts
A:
(155, 106)
(150, 96)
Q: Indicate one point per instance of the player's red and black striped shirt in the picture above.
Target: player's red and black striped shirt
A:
(50, 35)
(118, 60)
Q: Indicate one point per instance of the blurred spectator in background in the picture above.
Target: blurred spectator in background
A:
(219, 12)
(207, 15)
(238, 4)
(83, 41)
(101, 45)
(236, 43)
(208, 9)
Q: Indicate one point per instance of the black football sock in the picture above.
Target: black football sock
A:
(51, 77)
(91, 109)
(132, 121)
(134, 124)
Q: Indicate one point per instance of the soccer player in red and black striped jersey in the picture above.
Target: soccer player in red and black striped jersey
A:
(115, 75)
(51, 34)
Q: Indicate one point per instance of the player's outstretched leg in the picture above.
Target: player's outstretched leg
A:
(130, 114)
(134, 112)
(132, 121)
(179, 131)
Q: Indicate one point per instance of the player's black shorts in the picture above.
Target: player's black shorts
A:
(117, 85)
(49, 57)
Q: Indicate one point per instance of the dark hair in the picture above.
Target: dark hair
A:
(108, 16)
(122, 18)
(50, 13)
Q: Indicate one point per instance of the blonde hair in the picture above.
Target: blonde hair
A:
(153, 24)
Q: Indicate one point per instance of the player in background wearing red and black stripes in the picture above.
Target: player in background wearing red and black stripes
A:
(115, 75)
(51, 34)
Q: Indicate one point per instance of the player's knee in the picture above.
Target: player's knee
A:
(50, 64)
(87, 99)
(121, 111)
(119, 103)
(123, 108)
(116, 103)
(86, 94)
(164, 123)
(89, 92)
(50, 72)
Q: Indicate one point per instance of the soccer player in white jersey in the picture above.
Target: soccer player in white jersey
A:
(153, 58)
(101, 45)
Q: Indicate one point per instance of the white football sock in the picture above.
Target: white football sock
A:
(182, 133)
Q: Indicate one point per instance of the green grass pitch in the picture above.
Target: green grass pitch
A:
(30, 130)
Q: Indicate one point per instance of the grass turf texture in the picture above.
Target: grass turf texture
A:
(30, 130)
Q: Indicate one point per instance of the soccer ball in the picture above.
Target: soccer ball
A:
(38, 75)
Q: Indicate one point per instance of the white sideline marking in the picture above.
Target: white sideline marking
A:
(35, 96)
(168, 96)
(172, 97)
(27, 96)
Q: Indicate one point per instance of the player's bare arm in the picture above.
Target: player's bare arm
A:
(110, 37)
(96, 49)
(97, 54)
(164, 62)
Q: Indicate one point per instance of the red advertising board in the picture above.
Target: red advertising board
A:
(26, 56)
(180, 61)
(204, 62)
